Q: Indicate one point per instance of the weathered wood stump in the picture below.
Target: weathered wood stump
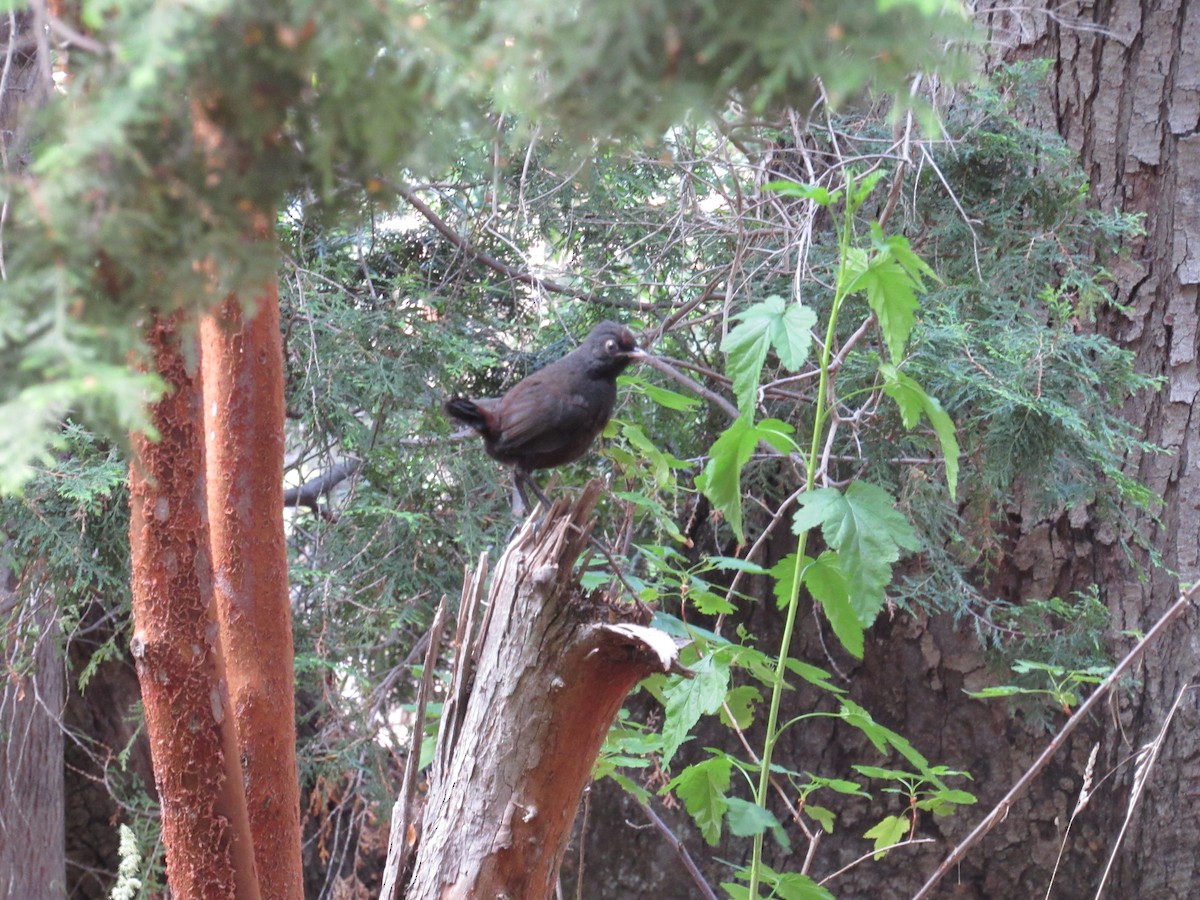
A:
(532, 697)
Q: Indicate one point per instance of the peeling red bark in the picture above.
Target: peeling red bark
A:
(177, 647)
(243, 419)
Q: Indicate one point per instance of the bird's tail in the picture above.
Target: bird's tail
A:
(467, 412)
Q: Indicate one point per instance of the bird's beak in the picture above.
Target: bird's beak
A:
(637, 354)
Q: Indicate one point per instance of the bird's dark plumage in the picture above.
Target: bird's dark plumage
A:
(551, 418)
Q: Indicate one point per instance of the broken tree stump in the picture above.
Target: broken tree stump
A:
(532, 698)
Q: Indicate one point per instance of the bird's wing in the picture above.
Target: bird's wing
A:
(533, 403)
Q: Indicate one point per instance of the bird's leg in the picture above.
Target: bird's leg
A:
(523, 479)
(520, 503)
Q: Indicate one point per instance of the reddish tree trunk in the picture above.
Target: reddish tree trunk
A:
(177, 647)
(243, 404)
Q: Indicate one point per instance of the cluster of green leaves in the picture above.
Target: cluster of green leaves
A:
(384, 317)
(69, 535)
(473, 329)
(861, 527)
(1038, 389)
(198, 122)
(707, 787)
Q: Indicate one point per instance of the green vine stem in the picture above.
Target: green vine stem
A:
(821, 414)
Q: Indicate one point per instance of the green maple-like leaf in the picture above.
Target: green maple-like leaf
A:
(828, 584)
(773, 323)
(891, 296)
(863, 526)
(889, 831)
(891, 276)
(686, 700)
(702, 788)
(721, 480)
(912, 400)
(747, 819)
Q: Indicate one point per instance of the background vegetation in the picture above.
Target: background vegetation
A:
(428, 253)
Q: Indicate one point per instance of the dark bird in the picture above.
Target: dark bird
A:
(551, 418)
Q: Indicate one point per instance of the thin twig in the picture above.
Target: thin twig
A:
(850, 865)
(680, 850)
(546, 284)
(691, 384)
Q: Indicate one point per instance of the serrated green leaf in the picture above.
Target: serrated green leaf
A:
(814, 675)
(912, 401)
(946, 802)
(785, 886)
(662, 396)
(881, 773)
(721, 480)
(898, 247)
(828, 585)
(661, 463)
(784, 573)
(687, 699)
(629, 786)
(883, 737)
(772, 323)
(889, 831)
(796, 886)
(710, 603)
(776, 433)
(740, 703)
(735, 564)
(863, 525)
(702, 788)
(747, 819)
(863, 187)
(819, 814)
(838, 785)
(892, 297)
(817, 193)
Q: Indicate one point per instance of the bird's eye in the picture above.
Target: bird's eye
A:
(610, 346)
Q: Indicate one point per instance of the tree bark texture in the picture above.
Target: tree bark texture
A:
(524, 724)
(1125, 93)
(176, 643)
(32, 831)
(243, 407)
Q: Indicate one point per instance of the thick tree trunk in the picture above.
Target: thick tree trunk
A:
(177, 647)
(32, 848)
(243, 406)
(1124, 93)
(532, 700)
(32, 838)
